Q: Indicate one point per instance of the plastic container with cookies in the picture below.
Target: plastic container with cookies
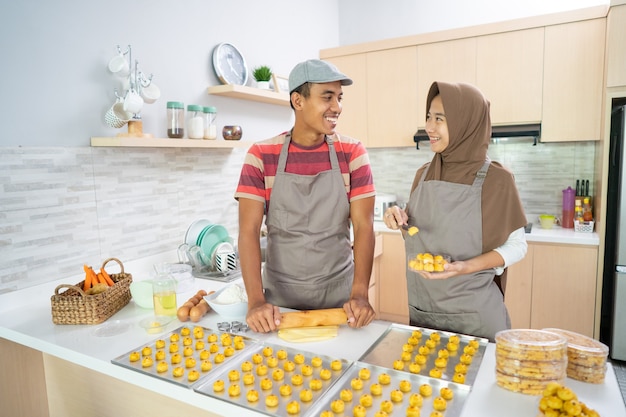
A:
(528, 360)
(586, 356)
(428, 262)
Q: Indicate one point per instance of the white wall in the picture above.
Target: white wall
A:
(370, 20)
(55, 84)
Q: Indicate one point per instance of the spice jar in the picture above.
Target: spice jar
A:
(175, 119)
(195, 121)
(210, 129)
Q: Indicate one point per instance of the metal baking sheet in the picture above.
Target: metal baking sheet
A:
(124, 360)
(206, 387)
(453, 406)
(388, 348)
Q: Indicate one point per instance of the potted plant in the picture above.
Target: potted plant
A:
(262, 75)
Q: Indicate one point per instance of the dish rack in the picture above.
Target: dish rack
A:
(583, 227)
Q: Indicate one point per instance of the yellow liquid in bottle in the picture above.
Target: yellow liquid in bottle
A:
(165, 304)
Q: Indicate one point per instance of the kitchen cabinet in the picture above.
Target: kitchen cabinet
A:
(392, 292)
(392, 97)
(554, 286)
(353, 119)
(509, 72)
(573, 81)
(616, 47)
(452, 61)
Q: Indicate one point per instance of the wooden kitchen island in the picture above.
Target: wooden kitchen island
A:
(65, 370)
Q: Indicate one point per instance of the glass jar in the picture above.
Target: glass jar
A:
(210, 129)
(175, 119)
(164, 295)
(195, 121)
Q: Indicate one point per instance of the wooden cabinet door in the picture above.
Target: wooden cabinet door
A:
(353, 119)
(616, 47)
(450, 61)
(564, 287)
(392, 97)
(509, 72)
(518, 292)
(393, 302)
(573, 81)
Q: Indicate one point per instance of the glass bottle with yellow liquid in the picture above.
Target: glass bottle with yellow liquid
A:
(164, 295)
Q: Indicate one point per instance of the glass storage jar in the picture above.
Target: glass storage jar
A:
(195, 121)
(175, 119)
(210, 129)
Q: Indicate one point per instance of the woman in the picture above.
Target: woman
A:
(466, 207)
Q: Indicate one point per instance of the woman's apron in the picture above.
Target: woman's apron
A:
(309, 262)
(449, 218)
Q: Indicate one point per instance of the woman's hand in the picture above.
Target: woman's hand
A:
(450, 270)
(395, 217)
(263, 318)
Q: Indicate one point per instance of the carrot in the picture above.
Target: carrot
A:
(107, 277)
(88, 278)
(101, 279)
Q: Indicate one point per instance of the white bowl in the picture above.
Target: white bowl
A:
(141, 292)
(235, 311)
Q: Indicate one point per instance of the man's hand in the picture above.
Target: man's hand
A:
(359, 311)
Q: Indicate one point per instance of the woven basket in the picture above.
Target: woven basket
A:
(74, 306)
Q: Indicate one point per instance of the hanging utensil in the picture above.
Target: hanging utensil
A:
(578, 187)
(587, 188)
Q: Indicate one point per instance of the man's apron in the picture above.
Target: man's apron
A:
(449, 218)
(309, 263)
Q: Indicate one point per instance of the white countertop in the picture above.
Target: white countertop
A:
(555, 235)
(25, 318)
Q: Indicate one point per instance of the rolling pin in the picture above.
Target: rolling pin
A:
(311, 318)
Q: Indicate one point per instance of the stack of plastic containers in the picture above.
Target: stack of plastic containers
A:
(528, 360)
(586, 357)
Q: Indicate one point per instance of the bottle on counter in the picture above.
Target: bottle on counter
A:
(210, 129)
(195, 121)
(587, 212)
(578, 211)
(567, 220)
(175, 119)
(164, 295)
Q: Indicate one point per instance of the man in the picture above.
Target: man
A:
(309, 183)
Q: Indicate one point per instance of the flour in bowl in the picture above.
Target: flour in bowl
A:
(232, 295)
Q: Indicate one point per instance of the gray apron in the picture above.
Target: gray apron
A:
(309, 262)
(449, 218)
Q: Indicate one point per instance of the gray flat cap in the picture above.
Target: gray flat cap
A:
(315, 71)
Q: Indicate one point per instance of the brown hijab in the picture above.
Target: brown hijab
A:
(469, 128)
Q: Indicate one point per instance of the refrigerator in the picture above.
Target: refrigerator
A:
(613, 312)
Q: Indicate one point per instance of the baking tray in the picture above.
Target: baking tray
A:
(124, 360)
(453, 406)
(389, 347)
(206, 386)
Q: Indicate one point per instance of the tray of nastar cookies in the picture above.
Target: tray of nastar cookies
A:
(370, 390)
(275, 380)
(433, 353)
(187, 354)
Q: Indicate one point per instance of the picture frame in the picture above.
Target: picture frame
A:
(280, 84)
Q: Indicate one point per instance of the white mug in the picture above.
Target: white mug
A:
(119, 65)
(116, 116)
(151, 93)
(133, 102)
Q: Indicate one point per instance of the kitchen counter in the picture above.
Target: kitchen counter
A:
(25, 319)
(555, 235)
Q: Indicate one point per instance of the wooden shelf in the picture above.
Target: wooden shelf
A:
(126, 141)
(250, 93)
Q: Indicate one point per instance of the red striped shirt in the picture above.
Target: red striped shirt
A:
(261, 161)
